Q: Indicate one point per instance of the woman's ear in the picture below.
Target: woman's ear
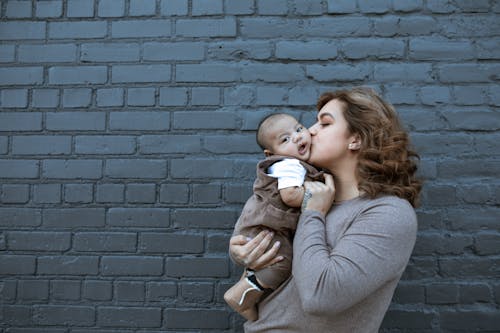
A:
(355, 143)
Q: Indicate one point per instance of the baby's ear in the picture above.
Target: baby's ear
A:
(267, 152)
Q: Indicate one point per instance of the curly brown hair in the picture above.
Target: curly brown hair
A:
(386, 162)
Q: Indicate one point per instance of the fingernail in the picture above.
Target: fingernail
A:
(277, 244)
(280, 258)
(249, 239)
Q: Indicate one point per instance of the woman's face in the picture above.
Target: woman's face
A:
(330, 137)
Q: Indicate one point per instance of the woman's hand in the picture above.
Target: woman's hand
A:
(322, 194)
(252, 253)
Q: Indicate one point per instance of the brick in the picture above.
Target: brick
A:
(109, 144)
(65, 290)
(33, 290)
(442, 293)
(197, 267)
(405, 26)
(240, 95)
(272, 73)
(78, 75)
(470, 95)
(174, 193)
(75, 121)
(140, 28)
(104, 242)
(341, 6)
(16, 315)
(472, 120)
(51, 8)
(110, 97)
(47, 193)
(142, 7)
(437, 50)
(140, 73)
(4, 144)
(272, 96)
(242, 7)
(126, 291)
(18, 9)
(110, 193)
(374, 7)
(206, 7)
(229, 50)
(272, 7)
(198, 293)
(77, 98)
(68, 265)
(21, 75)
(136, 317)
(77, 30)
(20, 121)
(218, 243)
(487, 244)
(404, 72)
(8, 290)
(78, 193)
(19, 30)
(206, 73)
(160, 291)
(45, 98)
(306, 7)
(139, 217)
(97, 290)
(236, 144)
(111, 8)
(7, 53)
(468, 267)
(15, 193)
(205, 96)
(205, 120)
(398, 94)
(434, 95)
(475, 292)
(17, 264)
(204, 218)
(131, 266)
(80, 8)
(225, 27)
(173, 96)
(237, 193)
(340, 73)
(41, 145)
(141, 193)
(475, 194)
(174, 7)
(135, 168)
(381, 48)
(72, 169)
(485, 319)
(407, 5)
(421, 268)
(19, 168)
(467, 73)
(430, 243)
(487, 49)
(196, 318)
(314, 50)
(141, 96)
(171, 243)
(109, 52)
(14, 98)
(412, 319)
(460, 219)
(20, 217)
(69, 218)
(478, 25)
(64, 315)
(409, 293)
(440, 7)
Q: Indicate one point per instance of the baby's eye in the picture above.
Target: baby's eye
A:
(285, 139)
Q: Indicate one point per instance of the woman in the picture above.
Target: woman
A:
(357, 229)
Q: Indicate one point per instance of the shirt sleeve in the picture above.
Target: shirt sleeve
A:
(289, 172)
(373, 251)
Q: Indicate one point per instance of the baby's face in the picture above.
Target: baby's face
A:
(288, 137)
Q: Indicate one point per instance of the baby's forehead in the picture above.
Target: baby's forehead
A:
(282, 121)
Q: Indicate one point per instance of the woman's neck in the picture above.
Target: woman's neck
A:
(346, 184)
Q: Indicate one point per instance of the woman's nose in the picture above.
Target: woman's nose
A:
(312, 130)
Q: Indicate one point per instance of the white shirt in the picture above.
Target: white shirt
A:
(289, 173)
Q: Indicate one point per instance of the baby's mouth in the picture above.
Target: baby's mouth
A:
(302, 149)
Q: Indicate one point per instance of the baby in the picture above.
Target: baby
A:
(278, 193)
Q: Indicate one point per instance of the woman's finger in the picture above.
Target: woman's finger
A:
(268, 258)
(329, 181)
(238, 240)
(259, 250)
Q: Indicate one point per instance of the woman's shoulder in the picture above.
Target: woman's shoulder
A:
(394, 209)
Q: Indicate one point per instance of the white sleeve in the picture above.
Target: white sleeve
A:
(289, 173)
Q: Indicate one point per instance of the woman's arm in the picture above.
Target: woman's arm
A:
(373, 251)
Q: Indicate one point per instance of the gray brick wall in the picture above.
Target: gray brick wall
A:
(127, 150)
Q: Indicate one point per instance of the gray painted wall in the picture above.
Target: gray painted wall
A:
(127, 150)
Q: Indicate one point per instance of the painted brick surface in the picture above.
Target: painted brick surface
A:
(127, 150)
